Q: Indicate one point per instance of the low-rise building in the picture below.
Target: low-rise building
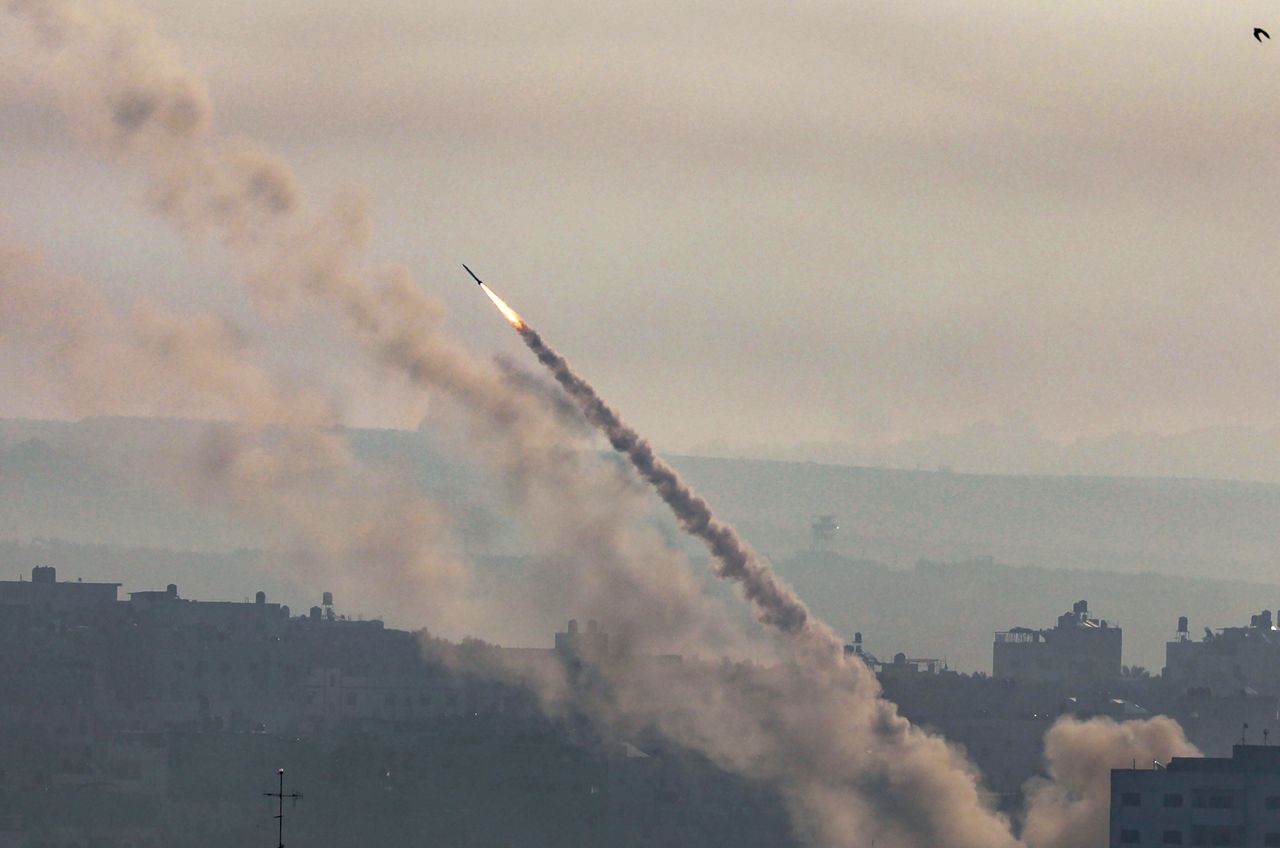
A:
(45, 593)
(1230, 661)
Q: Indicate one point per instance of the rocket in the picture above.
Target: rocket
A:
(473, 275)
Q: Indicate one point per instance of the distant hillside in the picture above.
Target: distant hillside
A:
(1175, 527)
(1131, 546)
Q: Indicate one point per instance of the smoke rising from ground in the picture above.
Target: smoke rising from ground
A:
(1071, 809)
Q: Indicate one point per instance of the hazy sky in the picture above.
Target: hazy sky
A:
(756, 222)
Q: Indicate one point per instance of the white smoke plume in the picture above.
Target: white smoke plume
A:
(1072, 808)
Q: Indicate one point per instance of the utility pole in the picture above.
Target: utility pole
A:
(280, 796)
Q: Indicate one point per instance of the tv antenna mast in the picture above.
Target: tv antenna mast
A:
(280, 796)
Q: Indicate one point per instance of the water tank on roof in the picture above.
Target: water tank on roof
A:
(1080, 607)
(573, 626)
(171, 590)
(260, 598)
(327, 599)
(1183, 626)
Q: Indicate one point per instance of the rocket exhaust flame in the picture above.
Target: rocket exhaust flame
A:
(513, 317)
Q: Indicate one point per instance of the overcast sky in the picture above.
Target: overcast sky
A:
(751, 221)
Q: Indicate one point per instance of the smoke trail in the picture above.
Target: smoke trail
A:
(849, 764)
(866, 769)
(777, 604)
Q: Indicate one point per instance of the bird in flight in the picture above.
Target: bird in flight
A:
(1259, 32)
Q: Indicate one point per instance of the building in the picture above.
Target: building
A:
(44, 593)
(1199, 800)
(333, 697)
(572, 642)
(1079, 650)
(1230, 661)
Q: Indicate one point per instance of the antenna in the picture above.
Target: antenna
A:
(1244, 734)
(280, 796)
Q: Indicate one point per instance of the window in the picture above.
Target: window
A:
(1273, 802)
(1212, 799)
(1173, 799)
(1271, 839)
(389, 699)
(1131, 799)
(1217, 835)
(1129, 837)
(351, 699)
(1171, 837)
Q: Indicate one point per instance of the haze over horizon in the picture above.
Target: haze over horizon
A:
(777, 231)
